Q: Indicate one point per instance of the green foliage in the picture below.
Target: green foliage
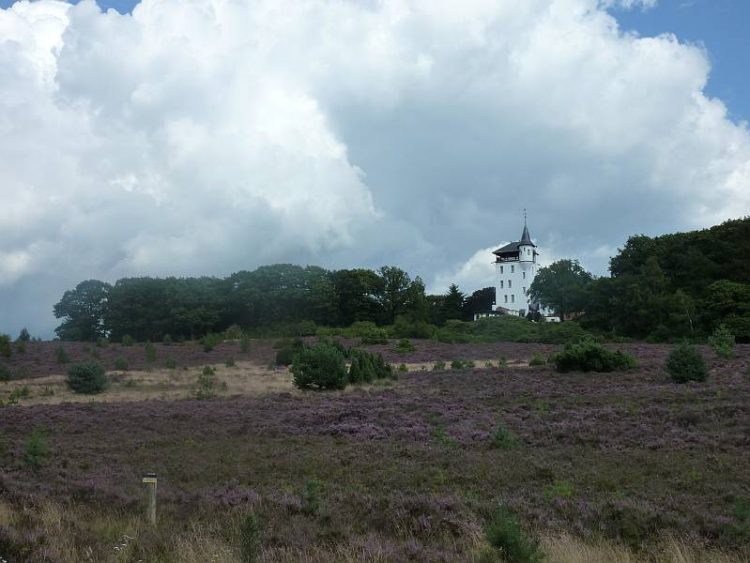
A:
(150, 350)
(537, 360)
(250, 539)
(244, 344)
(402, 368)
(438, 365)
(5, 348)
(210, 341)
(508, 328)
(561, 286)
(170, 363)
(458, 365)
(87, 378)
(559, 490)
(166, 340)
(685, 363)
(405, 328)
(83, 311)
(288, 351)
(121, 364)
(404, 346)
(722, 342)
(18, 393)
(5, 373)
(21, 347)
(61, 356)
(319, 367)
(127, 340)
(234, 332)
(306, 328)
(35, 449)
(23, 336)
(367, 367)
(503, 438)
(102, 343)
(311, 497)
(588, 355)
(505, 535)
(205, 384)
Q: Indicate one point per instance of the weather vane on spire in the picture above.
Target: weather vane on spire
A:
(524, 216)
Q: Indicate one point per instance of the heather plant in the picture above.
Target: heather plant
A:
(35, 449)
(505, 535)
(150, 350)
(5, 349)
(685, 363)
(588, 355)
(127, 340)
(250, 541)
(210, 341)
(319, 367)
(87, 378)
(438, 366)
(537, 360)
(311, 497)
(404, 346)
(102, 342)
(205, 385)
(503, 438)
(61, 356)
(722, 342)
(121, 364)
(559, 490)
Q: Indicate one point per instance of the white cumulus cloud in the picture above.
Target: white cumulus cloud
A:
(206, 136)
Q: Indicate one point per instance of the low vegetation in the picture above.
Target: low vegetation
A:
(686, 363)
(87, 378)
(588, 355)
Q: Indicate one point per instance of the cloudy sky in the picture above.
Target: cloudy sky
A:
(201, 137)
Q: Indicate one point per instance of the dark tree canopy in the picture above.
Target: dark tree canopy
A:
(561, 287)
(83, 311)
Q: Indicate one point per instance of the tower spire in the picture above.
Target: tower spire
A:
(525, 237)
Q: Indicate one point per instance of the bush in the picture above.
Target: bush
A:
(404, 346)
(458, 364)
(288, 351)
(306, 328)
(205, 385)
(402, 368)
(127, 340)
(210, 341)
(685, 363)
(150, 350)
(320, 367)
(404, 328)
(166, 340)
(722, 342)
(588, 355)
(61, 356)
(367, 367)
(505, 535)
(121, 364)
(5, 348)
(5, 373)
(36, 451)
(503, 438)
(250, 545)
(537, 360)
(234, 332)
(23, 336)
(170, 363)
(88, 378)
(438, 366)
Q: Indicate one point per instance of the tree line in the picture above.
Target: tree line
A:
(281, 295)
(660, 288)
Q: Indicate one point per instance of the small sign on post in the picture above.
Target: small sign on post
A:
(150, 480)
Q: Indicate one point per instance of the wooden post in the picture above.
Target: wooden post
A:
(150, 480)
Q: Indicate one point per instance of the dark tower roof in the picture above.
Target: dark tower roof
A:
(525, 237)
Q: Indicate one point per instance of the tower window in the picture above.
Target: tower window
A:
(512, 298)
(501, 269)
(510, 284)
(506, 298)
(524, 275)
(512, 269)
(501, 284)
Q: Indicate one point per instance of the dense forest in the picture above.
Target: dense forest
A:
(662, 288)
(270, 299)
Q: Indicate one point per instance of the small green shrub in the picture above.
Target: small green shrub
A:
(306, 328)
(5, 373)
(367, 367)
(102, 343)
(250, 544)
(87, 378)
(502, 362)
(210, 341)
(503, 438)
(558, 490)
(488, 364)
(311, 497)
(685, 363)
(230, 363)
(121, 364)
(319, 367)
(170, 363)
(18, 393)
(458, 365)
(375, 336)
(35, 449)
(438, 366)
(404, 328)
(288, 351)
(150, 350)
(205, 385)
(5, 348)
(469, 364)
(127, 340)
(404, 346)
(588, 355)
(402, 368)
(506, 536)
(722, 342)
(537, 360)
(234, 332)
(61, 356)
(166, 340)
(23, 336)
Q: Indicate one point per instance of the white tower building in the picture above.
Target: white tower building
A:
(516, 265)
